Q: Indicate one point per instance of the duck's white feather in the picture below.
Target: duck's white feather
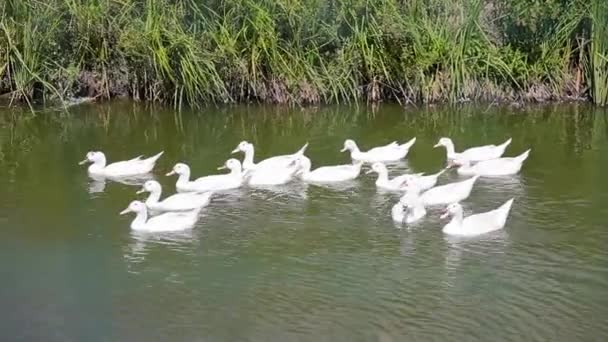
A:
(386, 153)
(328, 174)
(127, 168)
(478, 224)
(473, 154)
(446, 194)
(494, 167)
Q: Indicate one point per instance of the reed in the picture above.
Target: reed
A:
(599, 52)
(304, 51)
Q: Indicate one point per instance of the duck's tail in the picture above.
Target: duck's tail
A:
(503, 212)
(505, 144)
(408, 144)
(301, 150)
(196, 212)
(522, 157)
(154, 158)
(474, 179)
(442, 171)
(205, 197)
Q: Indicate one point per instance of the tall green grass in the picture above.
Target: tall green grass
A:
(599, 51)
(303, 51)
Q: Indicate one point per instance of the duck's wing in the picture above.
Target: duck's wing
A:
(384, 149)
(123, 167)
(185, 200)
(172, 221)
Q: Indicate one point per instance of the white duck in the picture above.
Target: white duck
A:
(444, 194)
(135, 166)
(383, 182)
(250, 165)
(390, 152)
(328, 174)
(177, 202)
(231, 180)
(276, 175)
(492, 167)
(170, 221)
(473, 154)
(423, 182)
(478, 223)
(409, 209)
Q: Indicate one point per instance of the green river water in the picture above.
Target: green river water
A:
(302, 262)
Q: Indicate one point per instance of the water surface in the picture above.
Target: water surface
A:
(300, 262)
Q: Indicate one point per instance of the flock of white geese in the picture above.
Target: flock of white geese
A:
(181, 210)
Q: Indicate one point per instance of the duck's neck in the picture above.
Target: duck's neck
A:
(248, 160)
(457, 219)
(154, 196)
(98, 164)
(355, 149)
(140, 220)
(382, 177)
(236, 172)
(397, 212)
(184, 177)
(449, 146)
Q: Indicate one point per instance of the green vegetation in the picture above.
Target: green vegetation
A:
(305, 51)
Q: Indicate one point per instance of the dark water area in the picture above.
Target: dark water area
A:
(302, 262)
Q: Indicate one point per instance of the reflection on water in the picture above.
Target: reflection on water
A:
(302, 261)
(337, 187)
(143, 243)
(98, 182)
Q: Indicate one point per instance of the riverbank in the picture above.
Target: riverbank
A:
(305, 52)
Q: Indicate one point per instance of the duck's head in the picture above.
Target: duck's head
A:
(180, 169)
(150, 186)
(452, 210)
(231, 164)
(93, 157)
(243, 146)
(377, 168)
(349, 145)
(134, 207)
(443, 142)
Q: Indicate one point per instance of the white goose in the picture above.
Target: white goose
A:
(133, 167)
(390, 152)
(478, 223)
(383, 182)
(171, 221)
(445, 194)
(409, 209)
(276, 175)
(177, 202)
(492, 167)
(473, 154)
(231, 180)
(250, 165)
(328, 174)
